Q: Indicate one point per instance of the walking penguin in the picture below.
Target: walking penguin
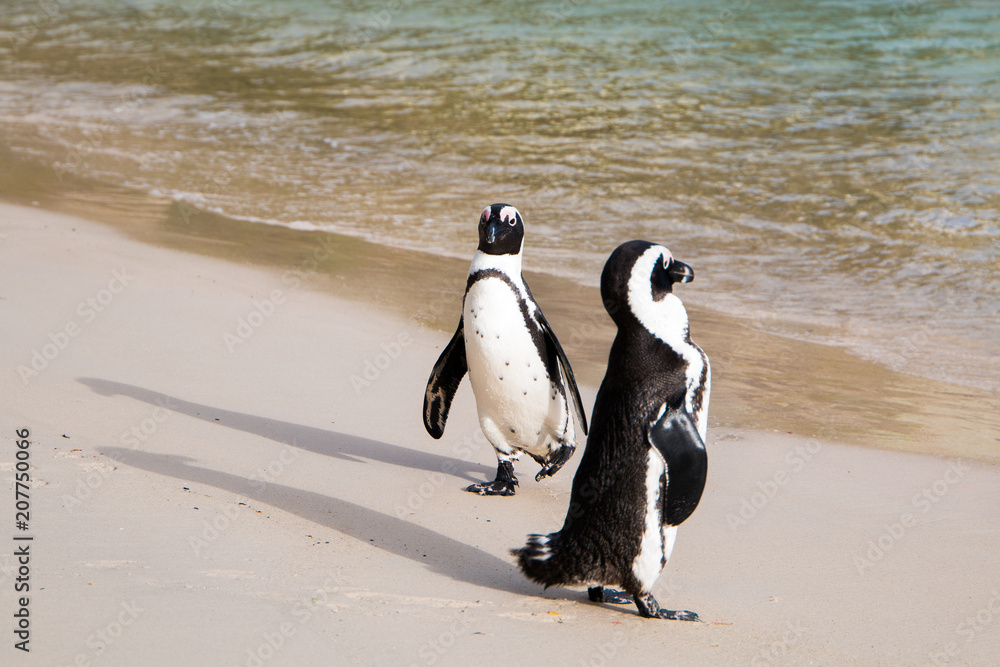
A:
(643, 470)
(522, 381)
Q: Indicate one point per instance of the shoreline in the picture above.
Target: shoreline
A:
(299, 518)
(761, 380)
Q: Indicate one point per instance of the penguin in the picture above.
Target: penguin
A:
(644, 466)
(522, 381)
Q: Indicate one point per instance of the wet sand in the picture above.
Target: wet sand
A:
(215, 486)
(760, 380)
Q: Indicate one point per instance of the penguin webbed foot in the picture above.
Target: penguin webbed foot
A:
(609, 595)
(503, 485)
(650, 608)
(556, 461)
(497, 487)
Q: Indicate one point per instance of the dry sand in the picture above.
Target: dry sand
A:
(198, 500)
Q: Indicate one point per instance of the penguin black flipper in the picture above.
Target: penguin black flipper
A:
(676, 438)
(554, 349)
(445, 377)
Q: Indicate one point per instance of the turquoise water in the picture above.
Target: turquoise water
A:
(830, 169)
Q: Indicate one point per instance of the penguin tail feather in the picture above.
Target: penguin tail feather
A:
(540, 560)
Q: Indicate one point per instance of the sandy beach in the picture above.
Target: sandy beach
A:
(228, 467)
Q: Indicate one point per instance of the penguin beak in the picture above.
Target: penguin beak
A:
(680, 272)
(491, 230)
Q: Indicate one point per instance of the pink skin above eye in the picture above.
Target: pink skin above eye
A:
(486, 214)
(509, 215)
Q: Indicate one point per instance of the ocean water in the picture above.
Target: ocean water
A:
(831, 170)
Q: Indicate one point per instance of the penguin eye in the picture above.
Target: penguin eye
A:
(512, 221)
(485, 216)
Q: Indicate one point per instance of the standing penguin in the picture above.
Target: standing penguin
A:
(643, 470)
(519, 373)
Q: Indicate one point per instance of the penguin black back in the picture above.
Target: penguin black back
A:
(643, 469)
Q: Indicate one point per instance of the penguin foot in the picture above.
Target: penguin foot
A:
(649, 608)
(497, 487)
(609, 595)
(503, 485)
(556, 461)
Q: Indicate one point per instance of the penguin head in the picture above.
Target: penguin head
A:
(501, 231)
(639, 275)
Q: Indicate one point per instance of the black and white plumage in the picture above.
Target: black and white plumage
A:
(525, 391)
(644, 467)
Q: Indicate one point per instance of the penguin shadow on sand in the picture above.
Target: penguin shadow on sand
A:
(311, 439)
(439, 553)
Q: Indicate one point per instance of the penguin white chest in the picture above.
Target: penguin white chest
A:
(518, 405)
(657, 540)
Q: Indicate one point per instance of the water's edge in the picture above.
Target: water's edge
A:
(760, 380)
